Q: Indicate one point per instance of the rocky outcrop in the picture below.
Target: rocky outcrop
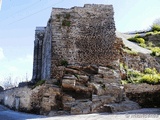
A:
(144, 94)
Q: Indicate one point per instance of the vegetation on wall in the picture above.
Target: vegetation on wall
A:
(66, 21)
(64, 62)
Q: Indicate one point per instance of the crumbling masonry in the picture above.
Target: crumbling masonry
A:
(78, 56)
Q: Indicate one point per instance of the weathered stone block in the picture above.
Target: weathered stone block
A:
(68, 84)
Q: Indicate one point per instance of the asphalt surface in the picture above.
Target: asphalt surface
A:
(141, 114)
(6, 114)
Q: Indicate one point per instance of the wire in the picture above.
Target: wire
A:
(35, 3)
(35, 12)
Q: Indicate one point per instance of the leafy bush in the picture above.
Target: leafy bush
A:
(150, 76)
(150, 79)
(140, 40)
(137, 40)
(155, 28)
(123, 82)
(134, 73)
(143, 45)
(155, 51)
(150, 71)
(149, 33)
(150, 44)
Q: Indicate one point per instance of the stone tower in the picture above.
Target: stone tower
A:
(80, 35)
(78, 56)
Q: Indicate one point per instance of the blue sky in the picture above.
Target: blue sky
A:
(19, 18)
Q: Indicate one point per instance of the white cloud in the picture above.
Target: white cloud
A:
(1, 54)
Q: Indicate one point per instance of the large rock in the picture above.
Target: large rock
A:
(144, 94)
(81, 107)
(123, 106)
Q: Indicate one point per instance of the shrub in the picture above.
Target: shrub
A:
(137, 36)
(143, 45)
(140, 40)
(137, 40)
(150, 76)
(134, 73)
(150, 44)
(150, 71)
(155, 28)
(123, 82)
(155, 51)
(149, 33)
(150, 79)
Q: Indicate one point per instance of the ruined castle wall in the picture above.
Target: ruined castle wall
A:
(38, 44)
(84, 35)
(46, 54)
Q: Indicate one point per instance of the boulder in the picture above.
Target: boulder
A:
(82, 107)
(122, 106)
(144, 94)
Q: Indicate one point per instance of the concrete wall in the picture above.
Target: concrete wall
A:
(17, 98)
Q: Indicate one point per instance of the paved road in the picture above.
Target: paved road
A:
(6, 114)
(132, 45)
(142, 114)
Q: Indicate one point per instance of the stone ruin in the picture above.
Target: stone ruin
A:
(77, 53)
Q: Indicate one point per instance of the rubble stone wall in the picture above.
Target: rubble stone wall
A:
(83, 35)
